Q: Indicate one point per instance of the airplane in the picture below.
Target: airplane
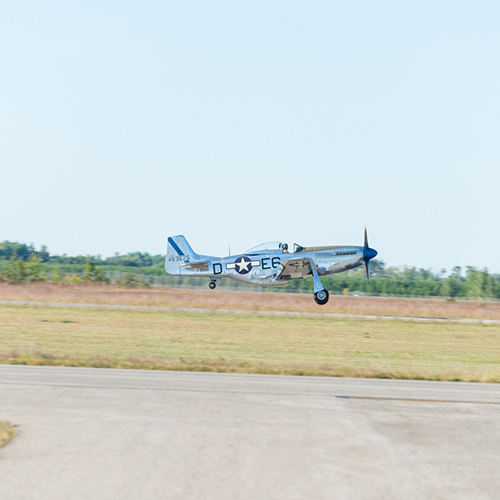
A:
(269, 264)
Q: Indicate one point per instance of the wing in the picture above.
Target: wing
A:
(295, 268)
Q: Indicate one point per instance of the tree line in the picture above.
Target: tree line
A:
(23, 252)
(21, 263)
(410, 282)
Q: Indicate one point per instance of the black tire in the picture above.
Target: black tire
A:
(212, 285)
(321, 297)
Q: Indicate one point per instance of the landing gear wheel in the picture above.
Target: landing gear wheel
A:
(212, 285)
(321, 297)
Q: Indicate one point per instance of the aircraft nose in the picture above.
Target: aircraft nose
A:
(369, 253)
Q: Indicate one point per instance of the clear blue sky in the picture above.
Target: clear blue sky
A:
(242, 122)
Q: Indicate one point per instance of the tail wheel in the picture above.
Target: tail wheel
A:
(212, 285)
(321, 297)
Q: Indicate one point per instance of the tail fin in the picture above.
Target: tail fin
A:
(178, 251)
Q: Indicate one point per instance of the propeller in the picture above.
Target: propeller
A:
(368, 254)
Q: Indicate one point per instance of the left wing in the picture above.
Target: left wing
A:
(295, 268)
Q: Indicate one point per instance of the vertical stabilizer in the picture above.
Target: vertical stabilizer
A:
(178, 251)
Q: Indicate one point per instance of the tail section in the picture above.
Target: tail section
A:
(178, 252)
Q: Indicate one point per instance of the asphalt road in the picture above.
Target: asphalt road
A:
(87, 433)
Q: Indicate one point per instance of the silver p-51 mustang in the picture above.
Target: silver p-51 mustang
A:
(269, 264)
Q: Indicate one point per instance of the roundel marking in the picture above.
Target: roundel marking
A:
(243, 265)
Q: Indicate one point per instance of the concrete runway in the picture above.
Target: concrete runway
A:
(87, 433)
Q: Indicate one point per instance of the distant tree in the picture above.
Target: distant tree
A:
(93, 273)
(15, 271)
(453, 286)
(65, 259)
(132, 281)
(33, 268)
(409, 273)
(132, 259)
(478, 284)
(377, 268)
(21, 251)
(73, 279)
(56, 275)
(425, 274)
(43, 253)
(9, 249)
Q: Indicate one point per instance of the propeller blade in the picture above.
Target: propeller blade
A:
(368, 254)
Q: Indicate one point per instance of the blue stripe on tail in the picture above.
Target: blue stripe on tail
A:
(175, 247)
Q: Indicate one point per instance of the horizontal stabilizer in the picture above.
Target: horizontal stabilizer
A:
(197, 264)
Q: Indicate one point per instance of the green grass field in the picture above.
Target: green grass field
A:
(249, 344)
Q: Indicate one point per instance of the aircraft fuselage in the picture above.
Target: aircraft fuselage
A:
(268, 264)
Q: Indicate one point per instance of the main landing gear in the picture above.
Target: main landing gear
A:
(321, 295)
(212, 285)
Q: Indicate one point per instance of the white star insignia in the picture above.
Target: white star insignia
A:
(243, 265)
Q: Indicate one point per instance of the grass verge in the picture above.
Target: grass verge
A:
(7, 432)
(249, 344)
(272, 301)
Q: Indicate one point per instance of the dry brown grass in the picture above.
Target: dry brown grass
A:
(7, 432)
(221, 299)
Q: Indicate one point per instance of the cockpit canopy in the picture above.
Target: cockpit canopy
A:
(270, 246)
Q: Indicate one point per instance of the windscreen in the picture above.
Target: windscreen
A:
(263, 247)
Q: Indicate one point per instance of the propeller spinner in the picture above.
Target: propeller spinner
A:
(368, 254)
